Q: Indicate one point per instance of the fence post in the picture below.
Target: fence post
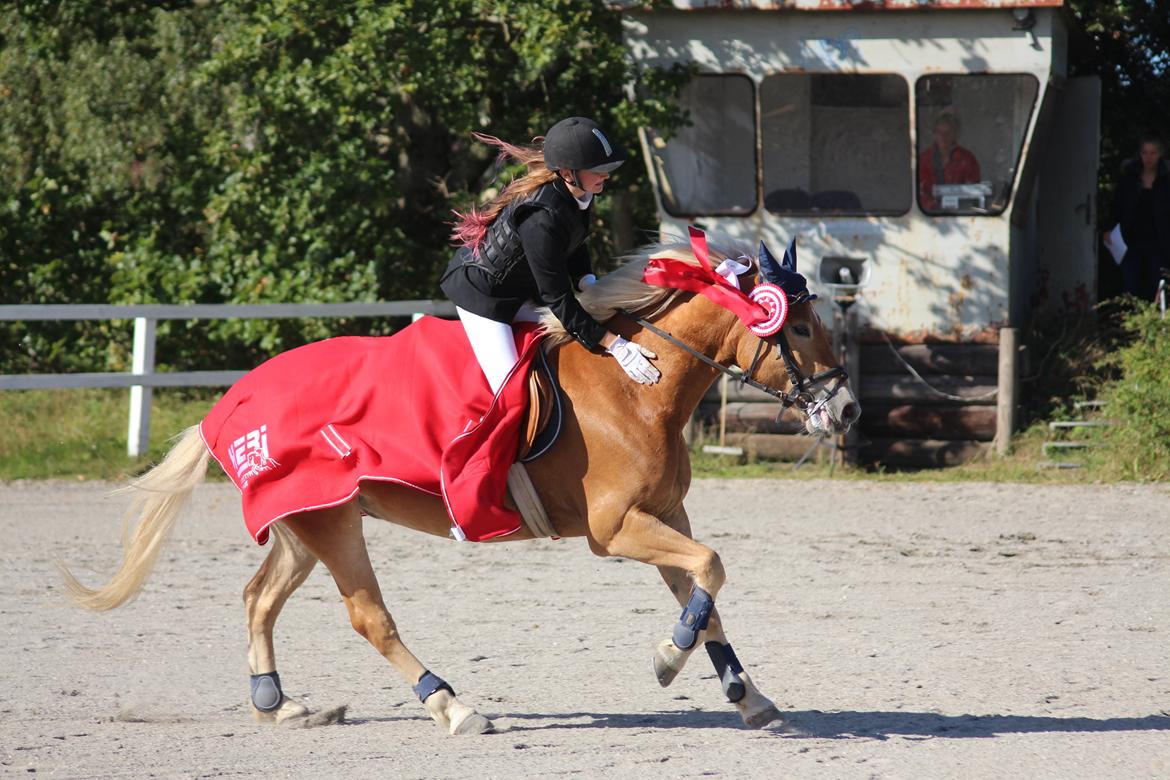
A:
(138, 437)
(1005, 399)
(851, 345)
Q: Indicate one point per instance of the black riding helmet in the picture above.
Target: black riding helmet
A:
(577, 144)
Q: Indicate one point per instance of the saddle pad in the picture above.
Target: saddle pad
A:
(304, 429)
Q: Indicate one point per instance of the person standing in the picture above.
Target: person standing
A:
(528, 248)
(1141, 206)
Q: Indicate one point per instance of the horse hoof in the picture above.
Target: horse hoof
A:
(329, 717)
(663, 672)
(473, 724)
(667, 662)
(762, 718)
(288, 709)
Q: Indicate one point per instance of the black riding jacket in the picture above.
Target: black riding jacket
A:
(534, 250)
(1144, 229)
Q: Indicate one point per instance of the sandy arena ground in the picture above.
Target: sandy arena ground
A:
(913, 630)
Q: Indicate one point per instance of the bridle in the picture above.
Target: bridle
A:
(802, 395)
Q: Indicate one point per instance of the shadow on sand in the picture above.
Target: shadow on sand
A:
(836, 725)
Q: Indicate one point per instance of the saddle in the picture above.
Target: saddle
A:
(545, 418)
(545, 412)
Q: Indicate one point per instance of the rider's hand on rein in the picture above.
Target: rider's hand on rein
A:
(632, 358)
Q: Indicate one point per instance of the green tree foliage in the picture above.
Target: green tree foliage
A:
(98, 160)
(1126, 43)
(275, 150)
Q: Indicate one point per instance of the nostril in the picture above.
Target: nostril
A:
(849, 412)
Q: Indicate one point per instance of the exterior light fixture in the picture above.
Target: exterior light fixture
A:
(1025, 19)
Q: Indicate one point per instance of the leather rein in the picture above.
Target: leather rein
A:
(803, 387)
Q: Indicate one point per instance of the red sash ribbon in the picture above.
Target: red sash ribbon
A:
(701, 279)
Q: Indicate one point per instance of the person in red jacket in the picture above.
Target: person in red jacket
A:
(944, 162)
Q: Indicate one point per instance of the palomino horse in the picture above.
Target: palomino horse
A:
(617, 476)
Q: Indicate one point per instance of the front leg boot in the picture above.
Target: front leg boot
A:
(693, 619)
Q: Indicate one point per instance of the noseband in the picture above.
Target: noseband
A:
(803, 388)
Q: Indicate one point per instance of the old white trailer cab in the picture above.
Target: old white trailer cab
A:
(933, 149)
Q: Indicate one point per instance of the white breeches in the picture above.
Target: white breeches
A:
(493, 343)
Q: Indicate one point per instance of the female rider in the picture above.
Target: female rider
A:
(527, 249)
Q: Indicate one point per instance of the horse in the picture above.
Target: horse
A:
(617, 477)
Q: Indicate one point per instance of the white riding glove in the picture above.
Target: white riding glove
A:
(586, 281)
(632, 358)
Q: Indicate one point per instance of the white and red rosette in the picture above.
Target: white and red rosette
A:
(699, 277)
(775, 302)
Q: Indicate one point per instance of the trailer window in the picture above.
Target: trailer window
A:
(710, 166)
(835, 143)
(971, 131)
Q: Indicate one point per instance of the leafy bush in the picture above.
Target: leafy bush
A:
(1137, 446)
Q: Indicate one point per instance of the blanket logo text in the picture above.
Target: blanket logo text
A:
(249, 455)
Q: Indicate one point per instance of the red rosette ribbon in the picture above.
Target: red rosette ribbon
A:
(702, 279)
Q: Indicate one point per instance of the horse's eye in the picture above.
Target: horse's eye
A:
(802, 331)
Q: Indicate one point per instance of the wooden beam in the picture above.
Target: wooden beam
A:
(903, 387)
(921, 453)
(929, 421)
(220, 311)
(777, 447)
(752, 417)
(1005, 424)
(851, 346)
(169, 379)
(945, 359)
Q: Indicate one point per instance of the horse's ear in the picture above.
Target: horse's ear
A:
(783, 274)
(768, 265)
(789, 261)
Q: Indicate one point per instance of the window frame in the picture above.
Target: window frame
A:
(756, 169)
(910, 114)
(1016, 166)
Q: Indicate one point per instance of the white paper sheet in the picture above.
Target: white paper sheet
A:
(1116, 244)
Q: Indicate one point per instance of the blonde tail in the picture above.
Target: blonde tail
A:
(159, 495)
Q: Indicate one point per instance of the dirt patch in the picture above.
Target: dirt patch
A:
(905, 630)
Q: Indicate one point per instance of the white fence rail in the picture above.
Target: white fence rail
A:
(142, 377)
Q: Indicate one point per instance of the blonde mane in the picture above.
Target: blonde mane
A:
(623, 289)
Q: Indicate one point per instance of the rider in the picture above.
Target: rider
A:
(527, 249)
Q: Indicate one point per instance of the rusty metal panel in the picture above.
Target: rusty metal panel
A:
(910, 44)
(949, 279)
(850, 5)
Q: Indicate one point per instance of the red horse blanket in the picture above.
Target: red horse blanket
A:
(302, 430)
